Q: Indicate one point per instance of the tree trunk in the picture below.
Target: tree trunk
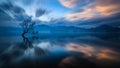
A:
(26, 40)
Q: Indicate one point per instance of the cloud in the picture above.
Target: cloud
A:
(84, 15)
(6, 7)
(40, 12)
(107, 7)
(95, 9)
(27, 2)
(73, 3)
(12, 10)
(17, 9)
(112, 20)
(68, 3)
(11, 14)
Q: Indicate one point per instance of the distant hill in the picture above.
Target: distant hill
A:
(47, 29)
(102, 28)
(105, 28)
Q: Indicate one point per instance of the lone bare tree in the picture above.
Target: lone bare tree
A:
(28, 28)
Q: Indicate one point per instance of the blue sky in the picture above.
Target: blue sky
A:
(53, 7)
(70, 12)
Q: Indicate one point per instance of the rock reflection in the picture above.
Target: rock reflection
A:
(95, 53)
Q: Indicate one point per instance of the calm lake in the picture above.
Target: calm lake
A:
(55, 51)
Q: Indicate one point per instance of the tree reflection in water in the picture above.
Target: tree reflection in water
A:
(19, 51)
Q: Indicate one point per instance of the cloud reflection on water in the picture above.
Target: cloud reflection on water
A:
(65, 52)
(95, 52)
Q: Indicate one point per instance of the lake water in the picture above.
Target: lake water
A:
(78, 51)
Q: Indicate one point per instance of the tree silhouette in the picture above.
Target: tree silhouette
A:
(28, 28)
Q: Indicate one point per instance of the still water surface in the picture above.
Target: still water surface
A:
(81, 51)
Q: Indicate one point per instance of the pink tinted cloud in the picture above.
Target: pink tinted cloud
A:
(96, 9)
